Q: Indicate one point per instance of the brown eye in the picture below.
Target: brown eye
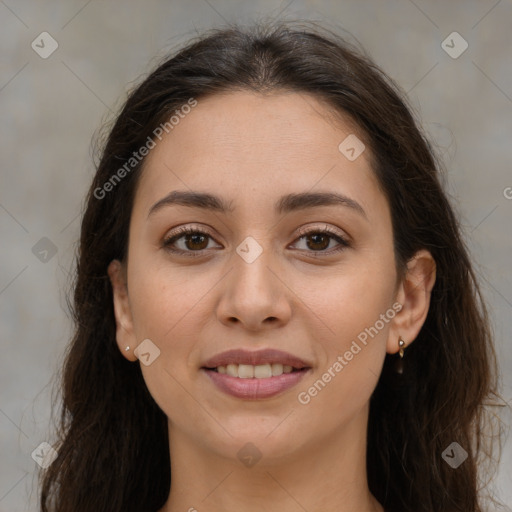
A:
(190, 240)
(318, 240)
(196, 241)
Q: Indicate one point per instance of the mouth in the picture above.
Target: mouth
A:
(257, 362)
(255, 374)
(249, 371)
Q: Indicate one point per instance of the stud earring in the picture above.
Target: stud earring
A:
(126, 349)
(399, 365)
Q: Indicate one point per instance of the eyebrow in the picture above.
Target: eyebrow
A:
(285, 204)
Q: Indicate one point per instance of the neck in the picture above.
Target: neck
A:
(329, 476)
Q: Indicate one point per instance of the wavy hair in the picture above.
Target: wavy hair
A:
(112, 443)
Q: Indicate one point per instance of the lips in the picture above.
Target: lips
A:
(232, 372)
(255, 358)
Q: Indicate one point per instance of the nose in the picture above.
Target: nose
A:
(254, 294)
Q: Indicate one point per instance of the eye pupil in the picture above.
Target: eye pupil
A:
(194, 237)
(318, 236)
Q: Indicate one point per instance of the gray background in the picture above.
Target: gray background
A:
(50, 109)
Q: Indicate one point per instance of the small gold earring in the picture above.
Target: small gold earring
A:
(399, 366)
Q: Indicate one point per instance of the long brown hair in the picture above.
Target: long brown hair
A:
(112, 443)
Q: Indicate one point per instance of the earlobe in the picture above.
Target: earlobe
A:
(414, 295)
(125, 336)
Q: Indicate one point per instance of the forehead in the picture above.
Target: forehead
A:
(245, 141)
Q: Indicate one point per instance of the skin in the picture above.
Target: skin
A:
(250, 149)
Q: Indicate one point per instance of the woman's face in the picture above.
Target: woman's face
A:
(253, 280)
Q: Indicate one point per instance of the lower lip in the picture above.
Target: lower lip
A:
(255, 388)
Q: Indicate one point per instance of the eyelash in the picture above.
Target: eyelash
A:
(180, 232)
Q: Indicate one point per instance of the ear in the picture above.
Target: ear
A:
(414, 295)
(125, 336)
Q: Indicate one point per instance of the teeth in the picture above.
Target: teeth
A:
(232, 370)
(248, 371)
(277, 369)
(245, 371)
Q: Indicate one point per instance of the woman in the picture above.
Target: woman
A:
(274, 306)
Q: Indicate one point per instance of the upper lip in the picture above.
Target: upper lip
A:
(258, 357)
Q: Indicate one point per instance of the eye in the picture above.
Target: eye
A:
(194, 241)
(318, 240)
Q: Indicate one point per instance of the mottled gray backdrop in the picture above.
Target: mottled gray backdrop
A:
(52, 103)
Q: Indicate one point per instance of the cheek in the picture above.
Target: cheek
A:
(165, 310)
(351, 298)
(353, 352)
(363, 299)
(355, 308)
(169, 308)
(161, 299)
